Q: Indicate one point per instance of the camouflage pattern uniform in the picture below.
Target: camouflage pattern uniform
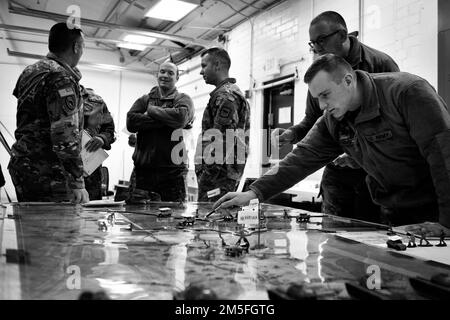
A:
(46, 163)
(227, 109)
(98, 122)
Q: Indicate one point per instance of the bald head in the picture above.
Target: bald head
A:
(167, 76)
(168, 64)
(330, 17)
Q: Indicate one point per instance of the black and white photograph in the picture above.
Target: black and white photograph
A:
(228, 156)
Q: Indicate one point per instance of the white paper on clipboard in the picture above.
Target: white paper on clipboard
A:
(91, 160)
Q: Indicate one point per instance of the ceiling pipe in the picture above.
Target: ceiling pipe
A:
(172, 26)
(213, 28)
(109, 15)
(9, 27)
(248, 5)
(101, 66)
(46, 43)
(117, 18)
(137, 5)
(110, 26)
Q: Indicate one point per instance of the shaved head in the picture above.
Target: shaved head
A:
(167, 76)
(330, 17)
(170, 65)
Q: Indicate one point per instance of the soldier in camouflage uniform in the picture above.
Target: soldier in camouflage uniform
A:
(46, 163)
(99, 123)
(227, 110)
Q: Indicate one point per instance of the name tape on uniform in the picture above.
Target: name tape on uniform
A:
(213, 193)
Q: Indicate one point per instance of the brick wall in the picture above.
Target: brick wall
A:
(406, 30)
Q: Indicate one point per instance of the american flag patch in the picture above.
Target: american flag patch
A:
(213, 193)
(66, 92)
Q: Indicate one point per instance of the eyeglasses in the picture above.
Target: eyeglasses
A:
(321, 40)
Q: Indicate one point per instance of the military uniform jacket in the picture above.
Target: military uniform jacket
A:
(360, 57)
(227, 109)
(155, 118)
(50, 117)
(400, 137)
(104, 127)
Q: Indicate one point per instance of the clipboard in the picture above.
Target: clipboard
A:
(91, 160)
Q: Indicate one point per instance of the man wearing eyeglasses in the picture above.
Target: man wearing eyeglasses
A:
(394, 125)
(343, 186)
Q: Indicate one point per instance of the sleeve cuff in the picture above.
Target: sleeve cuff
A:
(106, 144)
(257, 192)
(294, 137)
(77, 184)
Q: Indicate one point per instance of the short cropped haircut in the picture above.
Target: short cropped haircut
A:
(334, 65)
(332, 17)
(220, 55)
(62, 38)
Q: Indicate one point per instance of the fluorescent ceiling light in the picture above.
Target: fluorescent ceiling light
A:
(132, 46)
(134, 38)
(172, 10)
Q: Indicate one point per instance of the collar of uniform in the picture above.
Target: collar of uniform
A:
(156, 93)
(227, 80)
(355, 53)
(73, 71)
(370, 106)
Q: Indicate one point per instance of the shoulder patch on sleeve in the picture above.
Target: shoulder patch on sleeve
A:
(69, 104)
(65, 92)
(225, 112)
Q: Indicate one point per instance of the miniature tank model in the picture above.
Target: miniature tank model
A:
(164, 212)
(234, 251)
(241, 246)
(188, 221)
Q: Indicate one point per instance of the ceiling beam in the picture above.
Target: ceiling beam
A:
(45, 43)
(8, 27)
(109, 26)
(101, 66)
(109, 15)
(137, 5)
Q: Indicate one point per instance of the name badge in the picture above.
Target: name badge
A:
(213, 193)
(382, 136)
(249, 215)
